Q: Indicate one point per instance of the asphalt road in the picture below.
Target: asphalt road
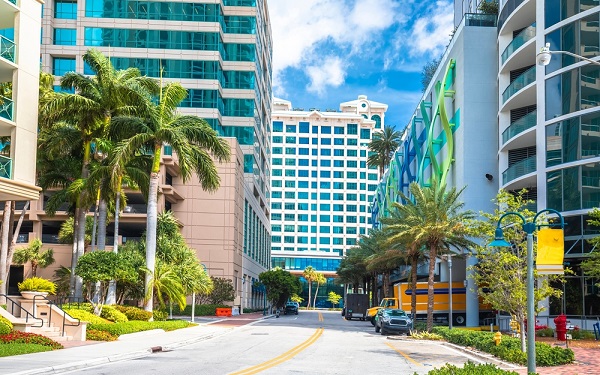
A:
(312, 342)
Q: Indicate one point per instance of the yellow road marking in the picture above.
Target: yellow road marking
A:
(281, 358)
(404, 355)
(321, 317)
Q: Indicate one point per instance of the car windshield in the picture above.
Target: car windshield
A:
(395, 313)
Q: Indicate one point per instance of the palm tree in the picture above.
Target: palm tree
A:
(310, 274)
(320, 279)
(382, 148)
(383, 258)
(90, 109)
(192, 139)
(441, 224)
(34, 256)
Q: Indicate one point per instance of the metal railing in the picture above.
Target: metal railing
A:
(6, 108)
(519, 169)
(520, 82)
(5, 167)
(526, 122)
(28, 316)
(523, 37)
(480, 19)
(64, 314)
(7, 49)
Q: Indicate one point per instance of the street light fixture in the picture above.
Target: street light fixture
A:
(499, 241)
(543, 58)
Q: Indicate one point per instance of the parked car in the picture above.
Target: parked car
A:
(392, 321)
(291, 308)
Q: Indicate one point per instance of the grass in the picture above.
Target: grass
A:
(11, 349)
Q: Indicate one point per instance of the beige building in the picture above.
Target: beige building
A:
(20, 28)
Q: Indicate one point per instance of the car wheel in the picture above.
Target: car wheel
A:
(296, 312)
(383, 333)
(377, 329)
(372, 320)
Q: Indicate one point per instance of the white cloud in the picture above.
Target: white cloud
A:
(331, 73)
(431, 33)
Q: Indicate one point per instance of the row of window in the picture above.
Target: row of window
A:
(574, 139)
(324, 185)
(302, 263)
(574, 188)
(256, 237)
(325, 174)
(321, 196)
(313, 240)
(313, 229)
(304, 128)
(315, 141)
(322, 207)
(322, 218)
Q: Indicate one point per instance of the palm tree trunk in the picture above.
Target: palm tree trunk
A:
(102, 213)
(79, 250)
(413, 294)
(316, 293)
(4, 249)
(152, 217)
(309, 293)
(111, 295)
(430, 284)
(74, 254)
(13, 240)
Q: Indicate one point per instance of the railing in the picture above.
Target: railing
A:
(523, 80)
(7, 49)
(64, 315)
(519, 169)
(508, 8)
(5, 167)
(590, 127)
(480, 19)
(28, 316)
(6, 108)
(526, 122)
(523, 37)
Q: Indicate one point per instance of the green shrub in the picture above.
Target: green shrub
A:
(160, 315)
(78, 306)
(424, 335)
(580, 334)
(134, 313)
(112, 314)
(469, 369)
(509, 349)
(420, 326)
(95, 335)
(86, 316)
(119, 329)
(546, 332)
(201, 310)
(37, 284)
(7, 350)
(5, 325)
(29, 338)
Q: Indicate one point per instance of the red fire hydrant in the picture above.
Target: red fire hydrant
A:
(561, 327)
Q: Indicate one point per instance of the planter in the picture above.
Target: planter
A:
(223, 311)
(29, 294)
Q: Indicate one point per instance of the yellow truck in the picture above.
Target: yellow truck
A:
(441, 302)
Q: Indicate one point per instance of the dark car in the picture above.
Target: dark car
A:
(392, 321)
(291, 308)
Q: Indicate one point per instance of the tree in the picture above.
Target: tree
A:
(334, 298)
(309, 274)
(591, 265)
(488, 7)
(223, 290)
(382, 148)
(296, 298)
(192, 139)
(428, 72)
(320, 279)
(280, 285)
(501, 273)
(34, 256)
(441, 225)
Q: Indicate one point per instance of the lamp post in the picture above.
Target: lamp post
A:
(543, 58)
(499, 241)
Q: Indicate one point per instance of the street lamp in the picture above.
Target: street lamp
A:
(543, 58)
(499, 241)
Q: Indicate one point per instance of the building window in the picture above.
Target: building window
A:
(65, 37)
(64, 9)
(304, 127)
(303, 141)
(338, 130)
(290, 128)
(353, 129)
(277, 127)
(62, 65)
(277, 139)
(352, 142)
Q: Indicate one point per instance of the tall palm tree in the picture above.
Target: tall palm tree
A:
(382, 148)
(383, 258)
(96, 100)
(320, 279)
(192, 139)
(309, 274)
(441, 224)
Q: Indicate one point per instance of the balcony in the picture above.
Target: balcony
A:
(526, 122)
(5, 167)
(6, 108)
(525, 79)
(7, 49)
(519, 169)
(523, 37)
(481, 20)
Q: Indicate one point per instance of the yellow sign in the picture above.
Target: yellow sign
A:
(550, 251)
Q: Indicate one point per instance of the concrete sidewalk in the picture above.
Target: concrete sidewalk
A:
(130, 346)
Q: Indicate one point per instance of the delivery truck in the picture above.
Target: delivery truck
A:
(355, 306)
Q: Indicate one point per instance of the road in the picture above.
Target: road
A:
(312, 342)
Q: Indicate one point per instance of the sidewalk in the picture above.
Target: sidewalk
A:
(131, 346)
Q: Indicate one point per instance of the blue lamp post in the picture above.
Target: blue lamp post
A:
(499, 241)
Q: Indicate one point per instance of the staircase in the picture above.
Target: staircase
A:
(51, 332)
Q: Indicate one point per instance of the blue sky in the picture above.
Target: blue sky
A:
(326, 52)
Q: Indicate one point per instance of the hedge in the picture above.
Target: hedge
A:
(5, 326)
(201, 310)
(469, 369)
(86, 316)
(95, 335)
(113, 314)
(509, 349)
(134, 313)
(28, 338)
(123, 328)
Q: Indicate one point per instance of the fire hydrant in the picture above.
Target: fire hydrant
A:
(497, 338)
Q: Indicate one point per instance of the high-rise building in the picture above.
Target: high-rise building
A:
(321, 184)
(20, 28)
(221, 51)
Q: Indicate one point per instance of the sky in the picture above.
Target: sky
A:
(326, 52)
